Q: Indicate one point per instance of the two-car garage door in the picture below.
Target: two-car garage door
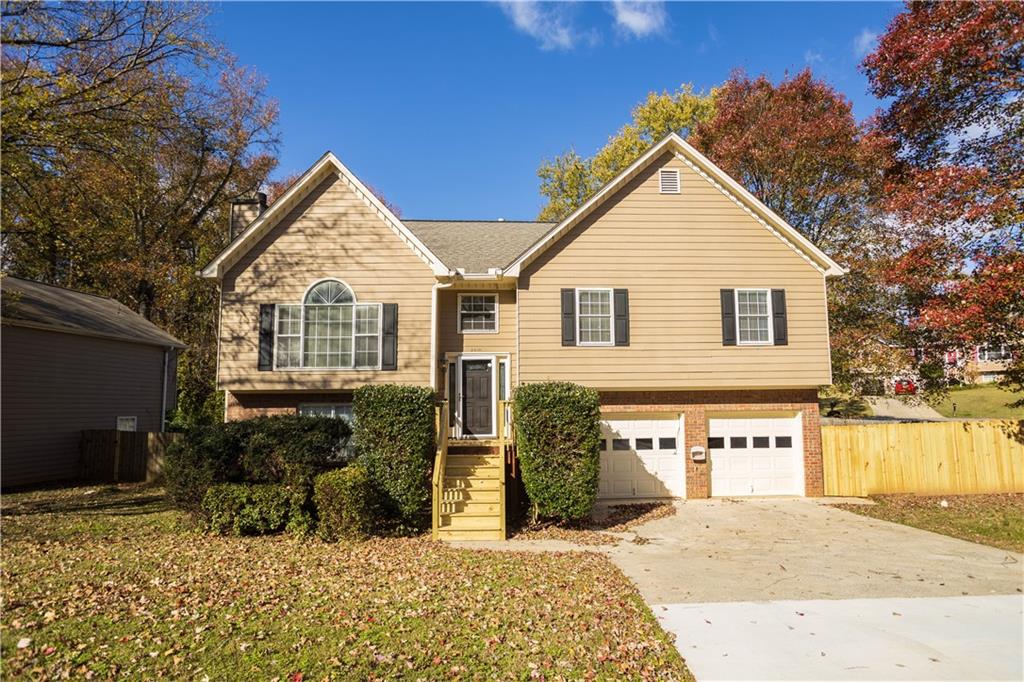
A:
(646, 457)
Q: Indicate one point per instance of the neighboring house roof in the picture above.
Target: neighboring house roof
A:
(476, 246)
(43, 306)
(717, 177)
(317, 173)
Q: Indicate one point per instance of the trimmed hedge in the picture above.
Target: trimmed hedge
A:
(394, 433)
(286, 449)
(247, 509)
(558, 434)
(347, 504)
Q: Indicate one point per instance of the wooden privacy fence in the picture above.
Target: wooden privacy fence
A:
(123, 456)
(924, 457)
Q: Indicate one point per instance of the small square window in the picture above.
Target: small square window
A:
(478, 313)
(644, 443)
(666, 443)
(716, 443)
(604, 445)
(127, 423)
(762, 441)
(738, 442)
(620, 444)
(783, 441)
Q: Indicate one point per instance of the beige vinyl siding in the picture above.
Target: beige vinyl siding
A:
(54, 385)
(331, 233)
(674, 253)
(451, 341)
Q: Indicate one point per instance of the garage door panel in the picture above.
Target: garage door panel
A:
(755, 456)
(642, 458)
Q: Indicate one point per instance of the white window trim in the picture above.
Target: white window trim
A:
(771, 318)
(576, 318)
(679, 180)
(458, 315)
(317, 283)
(1002, 349)
(302, 337)
(333, 406)
(134, 423)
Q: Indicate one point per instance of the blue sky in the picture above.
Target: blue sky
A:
(448, 108)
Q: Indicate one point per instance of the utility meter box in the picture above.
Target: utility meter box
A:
(698, 454)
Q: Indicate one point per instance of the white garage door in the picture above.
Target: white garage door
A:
(756, 456)
(642, 458)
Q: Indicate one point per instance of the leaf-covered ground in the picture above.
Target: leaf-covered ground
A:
(108, 582)
(595, 532)
(996, 520)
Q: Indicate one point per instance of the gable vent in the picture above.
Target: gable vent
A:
(669, 180)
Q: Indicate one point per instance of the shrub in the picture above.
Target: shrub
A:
(347, 504)
(241, 509)
(558, 433)
(394, 433)
(286, 449)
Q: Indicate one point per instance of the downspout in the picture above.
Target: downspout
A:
(433, 331)
(163, 394)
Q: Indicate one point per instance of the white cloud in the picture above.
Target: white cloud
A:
(546, 22)
(639, 18)
(813, 57)
(865, 42)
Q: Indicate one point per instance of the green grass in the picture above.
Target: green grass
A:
(844, 407)
(996, 520)
(108, 582)
(984, 401)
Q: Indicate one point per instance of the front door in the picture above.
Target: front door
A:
(477, 412)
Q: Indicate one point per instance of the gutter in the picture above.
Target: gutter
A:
(163, 394)
(433, 330)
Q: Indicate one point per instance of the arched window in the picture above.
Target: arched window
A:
(327, 292)
(329, 330)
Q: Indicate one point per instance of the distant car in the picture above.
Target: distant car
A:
(904, 387)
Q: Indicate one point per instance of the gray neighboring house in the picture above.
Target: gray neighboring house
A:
(71, 361)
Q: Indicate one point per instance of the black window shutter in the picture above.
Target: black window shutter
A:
(622, 317)
(568, 317)
(266, 356)
(728, 317)
(780, 326)
(389, 336)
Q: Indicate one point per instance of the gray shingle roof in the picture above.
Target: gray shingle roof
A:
(51, 307)
(477, 245)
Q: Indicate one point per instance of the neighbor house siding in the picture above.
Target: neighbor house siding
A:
(673, 253)
(451, 341)
(54, 385)
(331, 233)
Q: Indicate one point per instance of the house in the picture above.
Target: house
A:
(74, 361)
(697, 312)
(979, 364)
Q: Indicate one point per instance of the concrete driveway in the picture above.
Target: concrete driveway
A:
(794, 589)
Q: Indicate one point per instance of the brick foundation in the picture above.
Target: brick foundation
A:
(249, 405)
(695, 406)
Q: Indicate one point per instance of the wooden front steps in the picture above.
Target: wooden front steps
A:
(472, 502)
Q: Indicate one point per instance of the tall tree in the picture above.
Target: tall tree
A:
(128, 200)
(568, 180)
(955, 75)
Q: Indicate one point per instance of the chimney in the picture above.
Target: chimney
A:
(244, 211)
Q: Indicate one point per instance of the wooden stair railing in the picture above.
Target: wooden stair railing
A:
(440, 460)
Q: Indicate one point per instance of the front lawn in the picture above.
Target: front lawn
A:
(982, 401)
(108, 581)
(996, 520)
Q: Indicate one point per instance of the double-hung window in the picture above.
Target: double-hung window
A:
(994, 353)
(753, 316)
(478, 313)
(329, 330)
(594, 317)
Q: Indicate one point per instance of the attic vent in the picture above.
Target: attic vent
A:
(669, 181)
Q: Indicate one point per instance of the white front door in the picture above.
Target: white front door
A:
(756, 456)
(642, 458)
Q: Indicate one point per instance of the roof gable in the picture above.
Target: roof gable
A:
(710, 172)
(311, 179)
